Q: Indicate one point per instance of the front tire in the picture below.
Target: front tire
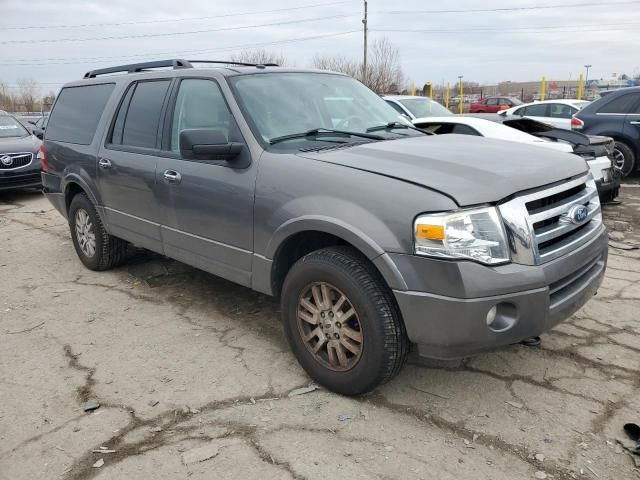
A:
(342, 322)
(624, 159)
(96, 249)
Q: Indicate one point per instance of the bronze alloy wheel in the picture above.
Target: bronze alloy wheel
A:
(329, 326)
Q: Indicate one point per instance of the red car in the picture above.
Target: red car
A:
(494, 104)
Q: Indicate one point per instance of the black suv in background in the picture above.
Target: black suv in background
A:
(616, 115)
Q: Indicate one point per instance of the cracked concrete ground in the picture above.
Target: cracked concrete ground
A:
(192, 374)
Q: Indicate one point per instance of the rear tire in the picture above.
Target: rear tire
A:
(96, 249)
(372, 339)
(624, 159)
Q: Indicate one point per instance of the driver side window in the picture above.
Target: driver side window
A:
(199, 104)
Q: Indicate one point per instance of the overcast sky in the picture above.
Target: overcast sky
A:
(482, 46)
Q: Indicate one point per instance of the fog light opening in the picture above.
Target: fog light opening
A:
(502, 317)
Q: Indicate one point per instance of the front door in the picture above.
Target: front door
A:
(127, 165)
(207, 217)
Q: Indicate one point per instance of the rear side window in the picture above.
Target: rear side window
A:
(539, 110)
(138, 118)
(77, 112)
(622, 104)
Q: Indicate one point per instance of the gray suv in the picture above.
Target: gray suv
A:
(306, 185)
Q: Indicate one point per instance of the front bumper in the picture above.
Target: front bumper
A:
(18, 179)
(451, 320)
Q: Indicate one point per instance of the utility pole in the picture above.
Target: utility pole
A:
(586, 78)
(364, 63)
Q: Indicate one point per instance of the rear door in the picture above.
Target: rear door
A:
(127, 164)
(632, 126)
(207, 205)
(560, 115)
(492, 105)
(536, 111)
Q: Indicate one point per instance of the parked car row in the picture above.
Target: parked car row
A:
(306, 185)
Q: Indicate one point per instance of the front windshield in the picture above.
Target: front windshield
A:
(280, 104)
(10, 127)
(424, 107)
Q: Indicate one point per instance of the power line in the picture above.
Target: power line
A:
(179, 19)
(548, 29)
(512, 9)
(84, 60)
(169, 34)
(501, 31)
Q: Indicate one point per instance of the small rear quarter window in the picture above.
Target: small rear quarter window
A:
(76, 113)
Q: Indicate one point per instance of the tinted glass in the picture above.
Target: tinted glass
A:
(492, 101)
(424, 107)
(465, 130)
(559, 110)
(116, 134)
(77, 111)
(396, 107)
(143, 115)
(199, 104)
(621, 104)
(10, 127)
(539, 110)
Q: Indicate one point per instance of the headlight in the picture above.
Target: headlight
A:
(473, 234)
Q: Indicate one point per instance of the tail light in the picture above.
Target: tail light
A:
(576, 124)
(42, 156)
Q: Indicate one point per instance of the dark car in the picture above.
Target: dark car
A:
(616, 115)
(18, 150)
(493, 104)
(40, 126)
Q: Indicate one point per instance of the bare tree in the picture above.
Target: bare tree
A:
(6, 99)
(260, 56)
(384, 72)
(47, 101)
(337, 64)
(28, 89)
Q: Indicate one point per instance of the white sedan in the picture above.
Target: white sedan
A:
(599, 163)
(554, 112)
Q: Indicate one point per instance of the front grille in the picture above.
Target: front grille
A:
(27, 179)
(9, 161)
(538, 224)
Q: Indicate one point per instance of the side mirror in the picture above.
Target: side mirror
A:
(39, 134)
(207, 144)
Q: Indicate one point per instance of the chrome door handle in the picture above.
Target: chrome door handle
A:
(635, 123)
(104, 163)
(171, 176)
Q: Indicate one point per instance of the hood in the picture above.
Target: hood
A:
(471, 170)
(20, 144)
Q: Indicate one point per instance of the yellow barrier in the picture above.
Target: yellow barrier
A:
(446, 96)
(542, 88)
(579, 96)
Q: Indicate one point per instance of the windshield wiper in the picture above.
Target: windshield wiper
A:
(392, 125)
(314, 132)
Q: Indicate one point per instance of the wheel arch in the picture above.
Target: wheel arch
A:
(300, 237)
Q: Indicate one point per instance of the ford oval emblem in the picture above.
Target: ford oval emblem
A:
(578, 214)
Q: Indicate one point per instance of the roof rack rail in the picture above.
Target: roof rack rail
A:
(139, 67)
(242, 64)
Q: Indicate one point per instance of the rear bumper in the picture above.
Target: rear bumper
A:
(51, 189)
(10, 180)
(530, 300)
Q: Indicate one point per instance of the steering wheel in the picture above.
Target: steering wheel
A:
(351, 122)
